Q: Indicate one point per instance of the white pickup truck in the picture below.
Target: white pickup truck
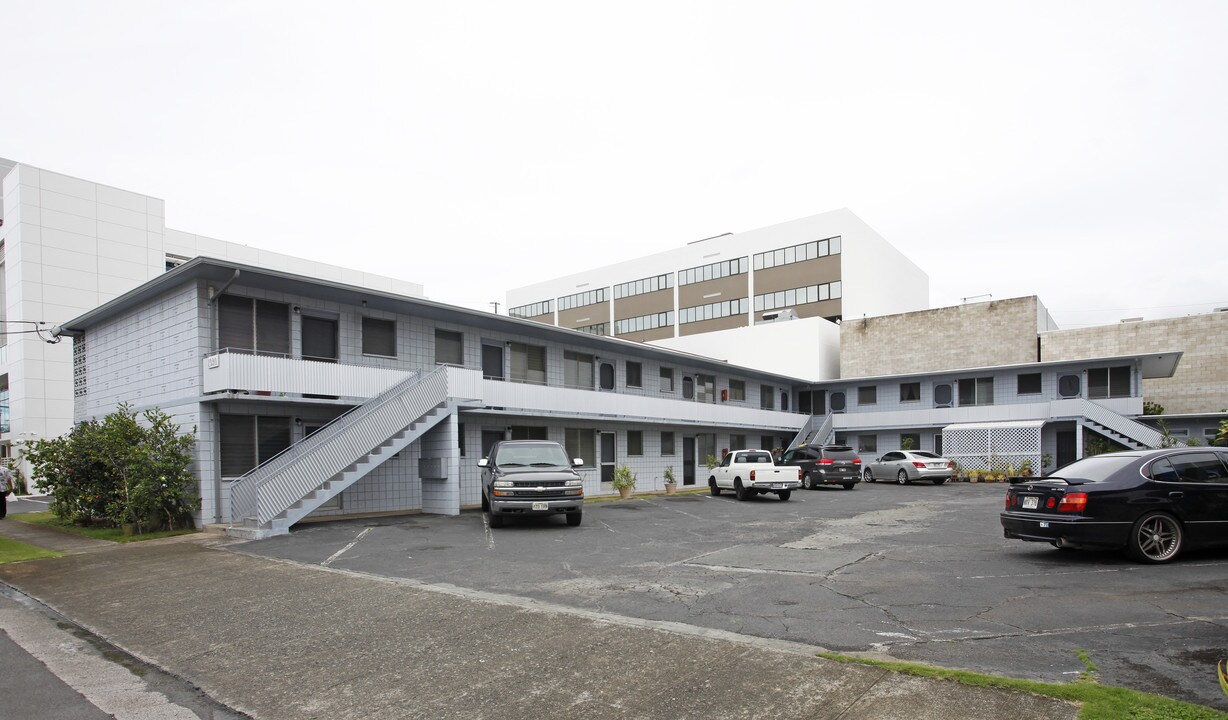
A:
(750, 472)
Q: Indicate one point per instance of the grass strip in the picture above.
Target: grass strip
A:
(13, 551)
(1099, 702)
(48, 519)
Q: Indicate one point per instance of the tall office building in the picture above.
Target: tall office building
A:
(828, 266)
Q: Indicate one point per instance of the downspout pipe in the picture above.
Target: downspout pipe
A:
(217, 442)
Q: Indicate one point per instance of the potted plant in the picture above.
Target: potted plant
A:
(671, 485)
(624, 480)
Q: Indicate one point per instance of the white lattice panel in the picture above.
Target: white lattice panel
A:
(992, 447)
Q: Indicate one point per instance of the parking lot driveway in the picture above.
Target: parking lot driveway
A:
(915, 572)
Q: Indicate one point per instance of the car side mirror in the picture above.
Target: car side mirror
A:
(484, 462)
(577, 462)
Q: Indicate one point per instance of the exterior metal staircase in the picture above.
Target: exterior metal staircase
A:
(816, 430)
(292, 484)
(1119, 428)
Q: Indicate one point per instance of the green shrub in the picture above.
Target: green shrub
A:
(623, 478)
(119, 471)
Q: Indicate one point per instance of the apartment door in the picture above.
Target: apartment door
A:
(492, 361)
(1067, 450)
(608, 457)
(688, 461)
(489, 438)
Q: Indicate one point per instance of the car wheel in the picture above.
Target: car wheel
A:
(807, 482)
(869, 476)
(712, 488)
(574, 518)
(1156, 538)
(849, 486)
(939, 481)
(902, 477)
(496, 520)
(738, 491)
(785, 494)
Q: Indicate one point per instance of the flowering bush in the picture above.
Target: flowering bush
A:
(120, 470)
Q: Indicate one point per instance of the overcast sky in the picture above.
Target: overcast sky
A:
(1073, 150)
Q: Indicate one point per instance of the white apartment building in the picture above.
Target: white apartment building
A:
(68, 245)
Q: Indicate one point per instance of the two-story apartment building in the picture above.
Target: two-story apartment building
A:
(314, 397)
(1036, 411)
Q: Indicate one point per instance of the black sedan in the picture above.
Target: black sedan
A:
(1153, 503)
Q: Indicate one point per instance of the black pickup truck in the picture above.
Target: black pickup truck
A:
(530, 477)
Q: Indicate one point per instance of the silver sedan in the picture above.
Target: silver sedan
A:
(904, 466)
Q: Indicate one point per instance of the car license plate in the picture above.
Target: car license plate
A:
(777, 486)
(541, 506)
(937, 466)
(1030, 503)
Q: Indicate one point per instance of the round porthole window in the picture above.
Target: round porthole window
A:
(1068, 386)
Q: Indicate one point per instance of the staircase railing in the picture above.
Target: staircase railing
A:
(1119, 424)
(286, 478)
(813, 427)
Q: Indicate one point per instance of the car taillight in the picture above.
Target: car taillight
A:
(752, 475)
(918, 464)
(856, 461)
(825, 461)
(1010, 501)
(1073, 502)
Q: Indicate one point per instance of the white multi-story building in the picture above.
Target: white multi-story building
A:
(829, 266)
(68, 245)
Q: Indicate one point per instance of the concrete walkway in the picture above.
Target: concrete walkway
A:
(280, 640)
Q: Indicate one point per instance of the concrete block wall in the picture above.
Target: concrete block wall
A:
(998, 332)
(441, 496)
(1200, 383)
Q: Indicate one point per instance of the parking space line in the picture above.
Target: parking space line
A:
(490, 537)
(343, 550)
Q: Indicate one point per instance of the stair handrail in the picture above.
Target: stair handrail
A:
(245, 493)
(809, 430)
(1121, 424)
(824, 430)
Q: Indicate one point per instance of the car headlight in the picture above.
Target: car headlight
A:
(575, 483)
(503, 483)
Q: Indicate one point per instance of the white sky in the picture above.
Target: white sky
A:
(1073, 150)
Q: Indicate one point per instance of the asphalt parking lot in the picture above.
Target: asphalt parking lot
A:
(915, 573)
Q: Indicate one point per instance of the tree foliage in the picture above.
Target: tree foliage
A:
(120, 470)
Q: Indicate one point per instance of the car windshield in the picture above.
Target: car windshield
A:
(535, 455)
(922, 453)
(1094, 469)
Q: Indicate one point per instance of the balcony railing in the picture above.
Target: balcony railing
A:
(274, 375)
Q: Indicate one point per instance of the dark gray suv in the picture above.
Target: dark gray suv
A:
(825, 465)
(530, 477)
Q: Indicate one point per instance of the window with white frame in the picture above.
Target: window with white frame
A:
(528, 363)
(713, 271)
(644, 285)
(797, 253)
(667, 380)
(635, 374)
(577, 370)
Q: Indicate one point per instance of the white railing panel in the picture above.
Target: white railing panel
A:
(263, 373)
(591, 403)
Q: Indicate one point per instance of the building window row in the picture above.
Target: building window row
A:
(798, 296)
(544, 307)
(644, 322)
(712, 311)
(713, 271)
(797, 253)
(645, 285)
(598, 329)
(590, 297)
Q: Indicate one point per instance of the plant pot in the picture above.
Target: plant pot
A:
(624, 492)
(671, 488)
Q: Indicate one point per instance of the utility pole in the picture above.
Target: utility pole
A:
(496, 307)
